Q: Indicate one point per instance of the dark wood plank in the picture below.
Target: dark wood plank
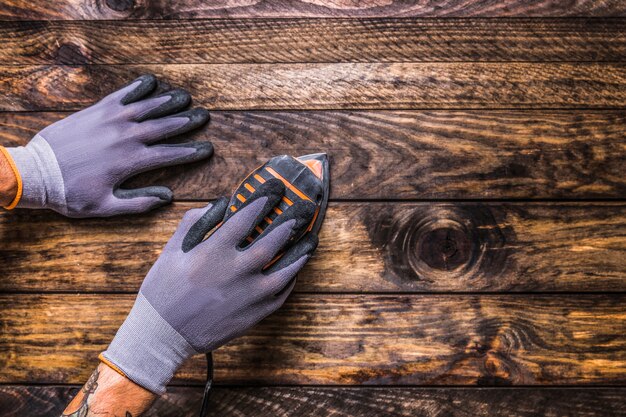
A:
(331, 86)
(348, 340)
(19, 401)
(364, 247)
(192, 9)
(312, 40)
(404, 154)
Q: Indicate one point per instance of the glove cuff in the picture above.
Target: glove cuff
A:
(42, 181)
(18, 178)
(146, 349)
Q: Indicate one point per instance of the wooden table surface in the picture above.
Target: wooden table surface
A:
(473, 258)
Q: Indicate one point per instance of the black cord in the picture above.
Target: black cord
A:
(209, 381)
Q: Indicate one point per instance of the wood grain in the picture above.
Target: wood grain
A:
(403, 154)
(346, 340)
(364, 247)
(193, 9)
(369, 308)
(19, 401)
(330, 86)
(312, 40)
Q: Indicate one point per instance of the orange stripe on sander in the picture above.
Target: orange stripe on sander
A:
(287, 183)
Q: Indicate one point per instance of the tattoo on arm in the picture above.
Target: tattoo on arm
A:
(109, 394)
(88, 389)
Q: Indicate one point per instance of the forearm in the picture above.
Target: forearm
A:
(107, 393)
(8, 181)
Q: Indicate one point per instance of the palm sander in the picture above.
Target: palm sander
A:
(306, 178)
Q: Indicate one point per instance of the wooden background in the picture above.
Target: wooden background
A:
(473, 259)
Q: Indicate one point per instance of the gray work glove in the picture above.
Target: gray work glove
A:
(202, 293)
(76, 165)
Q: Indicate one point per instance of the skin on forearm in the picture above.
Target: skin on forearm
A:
(8, 182)
(109, 394)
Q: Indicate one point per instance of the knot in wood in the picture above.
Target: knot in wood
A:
(445, 243)
(70, 53)
(120, 5)
(440, 245)
(442, 242)
(445, 247)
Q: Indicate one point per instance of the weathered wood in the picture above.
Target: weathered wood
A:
(404, 154)
(192, 9)
(312, 40)
(348, 339)
(331, 86)
(364, 247)
(19, 401)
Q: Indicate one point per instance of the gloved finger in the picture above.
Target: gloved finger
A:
(261, 252)
(283, 271)
(281, 297)
(289, 263)
(155, 130)
(139, 200)
(134, 91)
(162, 105)
(271, 304)
(207, 221)
(240, 222)
(291, 223)
(189, 219)
(174, 154)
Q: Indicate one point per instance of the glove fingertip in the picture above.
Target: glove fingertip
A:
(311, 242)
(198, 116)
(203, 149)
(303, 214)
(164, 194)
(179, 98)
(207, 222)
(160, 192)
(308, 245)
(157, 197)
(148, 83)
(218, 208)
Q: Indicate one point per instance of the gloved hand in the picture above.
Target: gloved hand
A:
(202, 293)
(76, 165)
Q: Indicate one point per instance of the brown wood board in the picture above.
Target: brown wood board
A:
(396, 86)
(194, 9)
(348, 340)
(501, 154)
(364, 247)
(345, 402)
(220, 41)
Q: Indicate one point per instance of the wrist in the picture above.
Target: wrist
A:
(146, 349)
(41, 178)
(10, 181)
(107, 393)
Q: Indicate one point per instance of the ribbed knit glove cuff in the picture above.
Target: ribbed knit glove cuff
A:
(39, 170)
(146, 349)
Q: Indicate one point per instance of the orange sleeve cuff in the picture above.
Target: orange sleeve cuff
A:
(18, 177)
(110, 365)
